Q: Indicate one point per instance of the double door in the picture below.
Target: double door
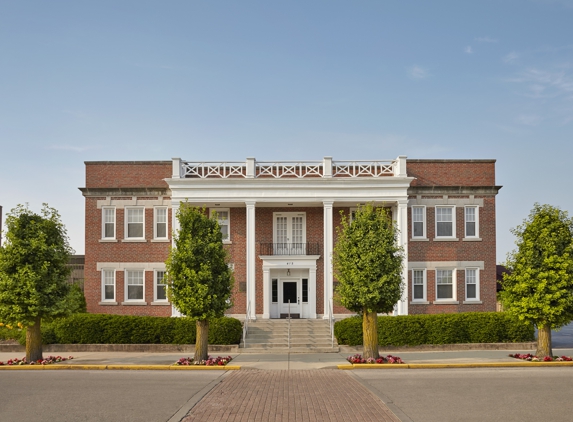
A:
(289, 234)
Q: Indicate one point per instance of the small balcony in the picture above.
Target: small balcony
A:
(307, 248)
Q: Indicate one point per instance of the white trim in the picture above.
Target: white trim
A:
(155, 299)
(126, 228)
(476, 221)
(424, 298)
(123, 203)
(126, 285)
(424, 235)
(432, 265)
(103, 223)
(454, 286)
(146, 266)
(155, 223)
(477, 284)
(328, 223)
(432, 202)
(453, 236)
(251, 295)
(223, 222)
(103, 274)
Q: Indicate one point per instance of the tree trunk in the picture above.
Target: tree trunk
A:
(370, 334)
(34, 341)
(202, 342)
(544, 341)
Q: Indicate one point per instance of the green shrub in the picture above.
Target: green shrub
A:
(124, 329)
(413, 330)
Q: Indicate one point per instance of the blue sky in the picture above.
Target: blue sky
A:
(223, 80)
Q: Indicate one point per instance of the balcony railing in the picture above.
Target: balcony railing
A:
(307, 248)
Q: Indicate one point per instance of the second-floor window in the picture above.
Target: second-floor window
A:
(471, 221)
(160, 225)
(419, 222)
(445, 222)
(108, 226)
(135, 223)
(224, 221)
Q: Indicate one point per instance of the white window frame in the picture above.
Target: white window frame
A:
(103, 223)
(155, 223)
(126, 218)
(454, 285)
(425, 285)
(226, 222)
(155, 285)
(424, 218)
(476, 216)
(453, 208)
(103, 280)
(126, 284)
(477, 284)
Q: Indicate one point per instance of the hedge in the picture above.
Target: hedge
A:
(123, 329)
(413, 330)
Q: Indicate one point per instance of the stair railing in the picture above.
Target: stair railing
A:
(288, 332)
(246, 325)
(331, 320)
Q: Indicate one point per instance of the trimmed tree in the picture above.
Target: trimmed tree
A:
(34, 273)
(199, 279)
(538, 288)
(368, 266)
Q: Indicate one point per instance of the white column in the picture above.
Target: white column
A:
(402, 223)
(251, 294)
(328, 246)
(176, 166)
(266, 293)
(312, 292)
(175, 226)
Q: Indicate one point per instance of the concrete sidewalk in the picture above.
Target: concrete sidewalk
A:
(288, 361)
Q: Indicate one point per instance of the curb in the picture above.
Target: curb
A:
(121, 367)
(451, 365)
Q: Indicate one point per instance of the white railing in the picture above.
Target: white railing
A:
(288, 169)
(331, 320)
(246, 325)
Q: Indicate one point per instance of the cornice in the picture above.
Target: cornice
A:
(454, 190)
(151, 191)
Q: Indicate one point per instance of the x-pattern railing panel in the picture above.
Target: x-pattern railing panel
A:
(289, 169)
(362, 168)
(214, 170)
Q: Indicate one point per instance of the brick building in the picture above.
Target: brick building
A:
(279, 220)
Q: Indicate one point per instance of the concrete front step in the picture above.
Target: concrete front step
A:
(277, 350)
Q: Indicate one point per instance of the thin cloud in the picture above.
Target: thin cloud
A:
(417, 72)
(529, 120)
(72, 148)
(468, 50)
(544, 83)
(485, 39)
(511, 57)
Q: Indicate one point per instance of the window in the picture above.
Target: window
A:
(352, 214)
(445, 226)
(108, 226)
(418, 285)
(471, 218)
(134, 223)
(472, 284)
(160, 288)
(445, 285)
(275, 291)
(223, 219)
(108, 281)
(419, 222)
(305, 290)
(134, 281)
(160, 223)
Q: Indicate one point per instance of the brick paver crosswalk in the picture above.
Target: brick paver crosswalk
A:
(315, 395)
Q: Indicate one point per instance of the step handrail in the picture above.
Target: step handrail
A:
(246, 325)
(288, 333)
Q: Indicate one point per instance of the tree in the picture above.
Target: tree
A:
(538, 288)
(199, 279)
(368, 265)
(34, 272)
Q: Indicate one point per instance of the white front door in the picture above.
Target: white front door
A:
(289, 233)
(290, 292)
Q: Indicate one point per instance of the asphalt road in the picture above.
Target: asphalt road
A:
(67, 395)
(505, 394)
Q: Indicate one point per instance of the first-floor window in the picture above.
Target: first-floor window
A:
(108, 277)
(444, 284)
(472, 284)
(305, 290)
(419, 285)
(134, 284)
(275, 291)
(160, 288)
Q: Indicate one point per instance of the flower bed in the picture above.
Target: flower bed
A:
(211, 361)
(382, 359)
(46, 361)
(532, 358)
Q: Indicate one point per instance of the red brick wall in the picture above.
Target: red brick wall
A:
(127, 174)
(452, 172)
